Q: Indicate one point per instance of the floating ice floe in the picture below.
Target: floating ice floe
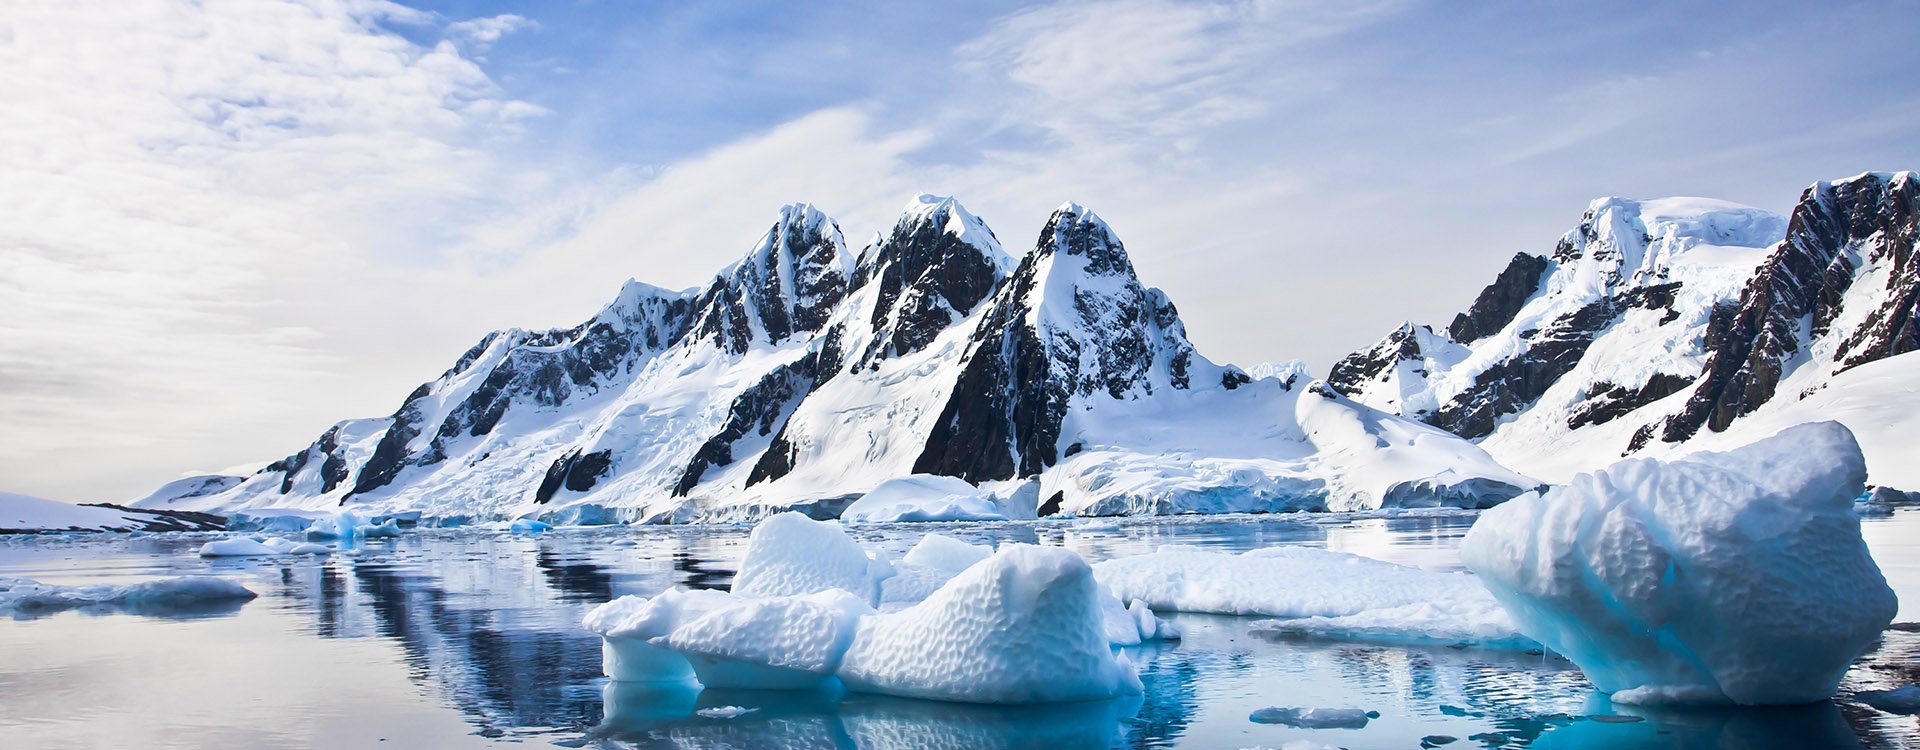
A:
(772, 643)
(1323, 593)
(167, 595)
(1718, 577)
(238, 546)
(1901, 700)
(1022, 626)
(1314, 718)
(725, 712)
(628, 625)
(528, 526)
(790, 553)
(924, 497)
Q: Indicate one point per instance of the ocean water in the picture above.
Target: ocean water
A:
(471, 637)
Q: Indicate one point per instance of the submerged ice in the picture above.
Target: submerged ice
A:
(1719, 577)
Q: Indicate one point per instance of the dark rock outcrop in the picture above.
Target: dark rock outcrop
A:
(1798, 292)
(1501, 300)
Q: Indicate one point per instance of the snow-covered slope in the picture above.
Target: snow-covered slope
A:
(1656, 326)
(805, 375)
(25, 513)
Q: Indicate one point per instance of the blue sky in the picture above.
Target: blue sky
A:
(236, 222)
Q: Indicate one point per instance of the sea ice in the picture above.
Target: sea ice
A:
(1313, 718)
(384, 530)
(1716, 577)
(238, 546)
(1901, 700)
(782, 642)
(24, 596)
(627, 626)
(1023, 626)
(790, 554)
(309, 548)
(725, 712)
(1334, 594)
(924, 497)
(946, 553)
(528, 526)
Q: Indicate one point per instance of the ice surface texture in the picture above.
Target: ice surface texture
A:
(1737, 576)
(1324, 593)
(182, 595)
(1022, 627)
(791, 554)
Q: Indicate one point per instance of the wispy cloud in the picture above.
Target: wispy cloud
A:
(186, 183)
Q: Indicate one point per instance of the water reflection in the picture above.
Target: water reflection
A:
(486, 628)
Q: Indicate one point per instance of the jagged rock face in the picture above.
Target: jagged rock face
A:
(1639, 280)
(787, 286)
(1072, 322)
(1501, 300)
(1843, 238)
(533, 370)
(800, 379)
(937, 264)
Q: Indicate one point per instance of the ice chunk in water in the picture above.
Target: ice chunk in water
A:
(627, 625)
(924, 497)
(946, 553)
(790, 554)
(1333, 594)
(1313, 718)
(1023, 626)
(183, 594)
(238, 546)
(1737, 576)
(786, 642)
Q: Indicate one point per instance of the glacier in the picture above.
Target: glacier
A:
(1737, 577)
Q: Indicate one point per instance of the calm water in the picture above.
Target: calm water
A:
(449, 638)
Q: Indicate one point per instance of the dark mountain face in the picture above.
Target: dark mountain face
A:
(928, 277)
(788, 286)
(1072, 321)
(1501, 300)
(1836, 231)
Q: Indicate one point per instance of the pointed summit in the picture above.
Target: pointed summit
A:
(939, 262)
(787, 285)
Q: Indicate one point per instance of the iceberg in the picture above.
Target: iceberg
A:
(628, 625)
(1717, 577)
(1023, 626)
(790, 554)
(779, 643)
(924, 497)
(180, 595)
(1324, 593)
(238, 546)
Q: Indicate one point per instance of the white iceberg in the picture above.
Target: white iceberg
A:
(27, 597)
(628, 625)
(238, 546)
(924, 497)
(1332, 594)
(1737, 576)
(1023, 626)
(790, 554)
(946, 553)
(774, 643)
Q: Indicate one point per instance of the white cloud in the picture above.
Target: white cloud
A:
(481, 33)
(190, 188)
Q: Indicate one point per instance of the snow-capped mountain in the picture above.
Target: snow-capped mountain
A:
(1668, 325)
(805, 374)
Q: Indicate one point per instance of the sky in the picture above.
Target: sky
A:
(227, 224)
